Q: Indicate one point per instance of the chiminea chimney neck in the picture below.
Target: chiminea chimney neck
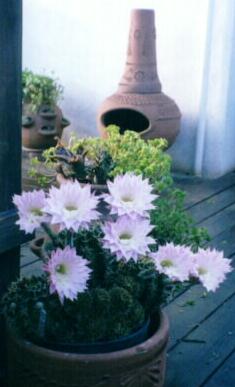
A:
(140, 74)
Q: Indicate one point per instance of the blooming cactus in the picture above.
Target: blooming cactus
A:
(30, 207)
(131, 195)
(179, 263)
(126, 234)
(128, 238)
(68, 273)
(71, 206)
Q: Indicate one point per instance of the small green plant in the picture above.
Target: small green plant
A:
(87, 161)
(96, 160)
(173, 223)
(37, 171)
(131, 153)
(40, 90)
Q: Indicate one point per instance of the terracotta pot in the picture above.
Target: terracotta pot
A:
(142, 365)
(36, 246)
(139, 103)
(40, 129)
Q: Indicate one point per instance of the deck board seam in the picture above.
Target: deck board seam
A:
(30, 263)
(214, 214)
(188, 207)
(217, 369)
(180, 340)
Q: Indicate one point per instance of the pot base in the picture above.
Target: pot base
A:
(142, 365)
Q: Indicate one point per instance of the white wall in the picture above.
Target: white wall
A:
(84, 42)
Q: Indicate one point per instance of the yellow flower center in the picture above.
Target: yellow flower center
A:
(202, 271)
(167, 263)
(36, 211)
(127, 199)
(70, 208)
(61, 269)
(125, 237)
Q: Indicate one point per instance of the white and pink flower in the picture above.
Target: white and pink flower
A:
(72, 206)
(68, 273)
(127, 238)
(175, 261)
(210, 267)
(131, 195)
(30, 207)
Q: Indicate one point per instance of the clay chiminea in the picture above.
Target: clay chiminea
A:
(139, 104)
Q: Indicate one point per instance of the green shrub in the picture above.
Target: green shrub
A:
(40, 90)
(173, 224)
(96, 160)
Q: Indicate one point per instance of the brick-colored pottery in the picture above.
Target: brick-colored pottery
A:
(139, 103)
(142, 365)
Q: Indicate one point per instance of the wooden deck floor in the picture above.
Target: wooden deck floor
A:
(202, 344)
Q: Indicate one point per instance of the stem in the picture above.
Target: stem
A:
(70, 238)
(51, 234)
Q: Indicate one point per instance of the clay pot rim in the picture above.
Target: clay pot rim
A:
(154, 344)
(122, 342)
(36, 244)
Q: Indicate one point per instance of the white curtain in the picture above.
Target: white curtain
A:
(215, 145)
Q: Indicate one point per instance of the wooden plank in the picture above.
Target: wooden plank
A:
(10, 139)
(193, 306)
(225, 375)
(198, 189)
(32, 269)
(220, 222)
(225, 242)
(204, 349)
(10, 235)
(26, 255)
(9, 267)
(9, 271)
(10, 101)
(213, 205)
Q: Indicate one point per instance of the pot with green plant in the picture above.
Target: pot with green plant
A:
(93, 317)
(42, 119)
(97, 160)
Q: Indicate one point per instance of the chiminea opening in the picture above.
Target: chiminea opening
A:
(126, 119)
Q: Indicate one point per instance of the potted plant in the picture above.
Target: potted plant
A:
(94, 318)
(42, 119)
(95, 160)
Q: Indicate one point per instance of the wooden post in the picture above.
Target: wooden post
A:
(10, 143)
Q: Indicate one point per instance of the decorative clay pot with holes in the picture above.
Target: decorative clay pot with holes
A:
(40, 129)
(140, 365)
(139, 103)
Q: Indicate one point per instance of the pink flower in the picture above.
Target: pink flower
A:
(72, 206)
(128, 238)
(30, 207)
(175, 261)
(130, 195)
(68, 273)
(210, 267)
